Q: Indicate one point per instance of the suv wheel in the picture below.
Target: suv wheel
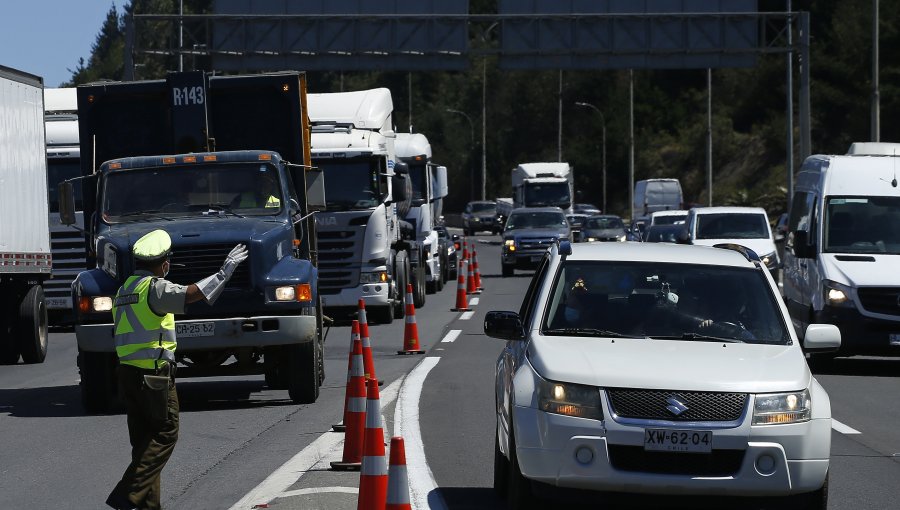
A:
(518, 490)
(508, 270)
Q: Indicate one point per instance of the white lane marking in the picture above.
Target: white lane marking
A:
(467, 315)
(843, 429)
(294, 469)
(320, 490)
(473, 301)
(406, 423)
(451, 335)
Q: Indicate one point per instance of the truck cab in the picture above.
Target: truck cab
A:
(543, 185)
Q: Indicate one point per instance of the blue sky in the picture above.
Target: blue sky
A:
(47, 37)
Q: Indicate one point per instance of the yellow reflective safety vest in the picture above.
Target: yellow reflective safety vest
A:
(143, 338)
(248, 200)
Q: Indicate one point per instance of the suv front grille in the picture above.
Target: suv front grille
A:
(635, 459)
(652, 404)
(191, 264)
(535, 243)
(885, 300)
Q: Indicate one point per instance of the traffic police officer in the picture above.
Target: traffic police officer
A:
(145, 344)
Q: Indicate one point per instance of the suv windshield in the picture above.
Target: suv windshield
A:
(862, 225)
(350, 183)
(244, 189)
(669, 219)
(687, 302)
(483, 207)
(536, 220)
(732, 226)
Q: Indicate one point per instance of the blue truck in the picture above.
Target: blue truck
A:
(214, 161)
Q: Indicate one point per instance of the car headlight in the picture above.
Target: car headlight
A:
(591, 239)
(781, 408)
(376, 277)
(569, 399)
(836, 294)
(510, 244)
(621, 238)
(770, 260)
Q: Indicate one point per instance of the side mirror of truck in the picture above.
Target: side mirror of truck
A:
(66, 203)
(801, 245)
(398, 188)
(315, 189)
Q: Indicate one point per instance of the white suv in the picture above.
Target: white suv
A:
(660, 369)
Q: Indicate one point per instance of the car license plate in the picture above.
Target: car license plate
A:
(667, 440)
(894, 338)
(58, 302)
(195, 329)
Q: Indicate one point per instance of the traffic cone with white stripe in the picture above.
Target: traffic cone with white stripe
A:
(354, 337)
(368, 362)
(462, 302)
(411, 331)
(355, 409)
(471, 288)
(477, 271)
(373, 476)
(398, 480)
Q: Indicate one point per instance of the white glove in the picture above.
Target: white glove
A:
(212, 286)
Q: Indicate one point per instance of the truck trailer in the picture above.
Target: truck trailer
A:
(543, 185)
(214, 161)
(25, 258)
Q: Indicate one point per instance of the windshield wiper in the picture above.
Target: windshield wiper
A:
(588, 332)
(698, 337)
(150, 213)
(221, 208)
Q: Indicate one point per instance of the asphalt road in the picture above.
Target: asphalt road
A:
(243, 445)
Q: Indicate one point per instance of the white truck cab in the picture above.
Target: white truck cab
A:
(842, 251)
(543, 185)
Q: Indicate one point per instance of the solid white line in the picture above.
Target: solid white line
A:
(406, 423)
(473, 301)
(843, 429)
(294, 469)
(319, 490)
(451, 335)
(466, 315)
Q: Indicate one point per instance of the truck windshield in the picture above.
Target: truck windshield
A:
(59, 170)
(536, 220)
(417, 176)
(350, 183)
(732, 226)
(244, 189)
(547, 194)
(862, 225)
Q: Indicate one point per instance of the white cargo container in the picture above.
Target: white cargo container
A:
(25, 259)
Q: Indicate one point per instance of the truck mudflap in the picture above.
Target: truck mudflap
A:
(203, 334)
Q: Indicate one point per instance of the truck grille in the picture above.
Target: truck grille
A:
(701, 405)
(535, 243)
(193, 263)
(339, 258)
(67, 248)
(885, 300)
(635, 459)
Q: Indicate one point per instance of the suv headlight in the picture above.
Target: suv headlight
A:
(569, 399)
(769, 260)
(836, 294)
(510, 244)
(376, 277)
(781, 408)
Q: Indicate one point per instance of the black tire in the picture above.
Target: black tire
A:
(30, 330)
(419, 286)
(508, 270)
(501, 466)
(445, 266)
(401, 277)
(98, 381)
(818, 500)
(518, 491)
(381, 314)
(303, 372)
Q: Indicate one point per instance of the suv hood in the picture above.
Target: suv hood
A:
(535, 232)
(670, 364)
(862, 269)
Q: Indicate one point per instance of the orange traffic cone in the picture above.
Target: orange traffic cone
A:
(411, 332)
(462, 302)
(477, 271)
(354, 337)
(471, 288)
(368, 362)
(398, 480)
(373, 476)
(355, 409)
(465, 253)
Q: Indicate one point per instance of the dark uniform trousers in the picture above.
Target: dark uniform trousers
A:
(152, 440)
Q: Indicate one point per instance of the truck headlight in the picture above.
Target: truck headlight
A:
(569, 399)
(302, 292)
(510, 244)
(376, 277)
(781, 408)
(836, 294)
(97, 304)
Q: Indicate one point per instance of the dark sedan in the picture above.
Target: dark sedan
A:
(605, 228)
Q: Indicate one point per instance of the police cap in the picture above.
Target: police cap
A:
(152, 246)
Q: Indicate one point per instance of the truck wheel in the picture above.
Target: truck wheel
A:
(383, 314)
(419, 286)
(98, 383)
(508, 270)
(402, 277)
(30, 330)
(303, 372)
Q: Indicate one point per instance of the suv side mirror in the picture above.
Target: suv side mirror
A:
(66, 203)
(801, 245)
(822, 338)
(504, 325)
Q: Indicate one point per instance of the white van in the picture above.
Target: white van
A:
(842, 252)
(651, 195)
(746, 226)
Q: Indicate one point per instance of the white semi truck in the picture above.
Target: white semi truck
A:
(66, 242)
(543, 184)
(25, 258)
(429, 187)
(366, 250)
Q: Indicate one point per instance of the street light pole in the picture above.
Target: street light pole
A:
(603, 137)
(471, 141)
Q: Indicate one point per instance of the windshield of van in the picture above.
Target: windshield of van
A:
(350, 183)
(668, 219)
(732, 226)
(654, 300)
(862, 225)
(242, 189)
(536, 220)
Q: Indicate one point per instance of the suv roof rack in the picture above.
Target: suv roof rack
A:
(748, 254)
